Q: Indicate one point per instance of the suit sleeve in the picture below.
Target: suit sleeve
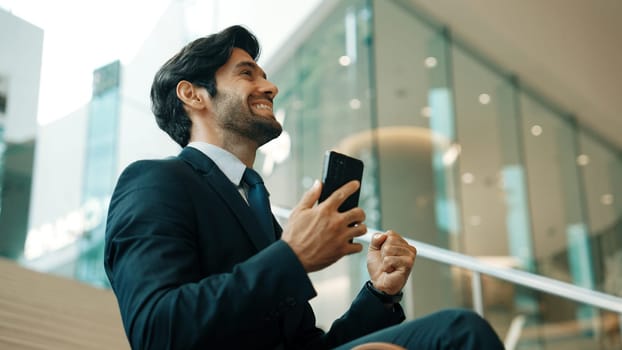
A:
(366, 315)
(166, 302)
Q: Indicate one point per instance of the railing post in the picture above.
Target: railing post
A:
(476, 291)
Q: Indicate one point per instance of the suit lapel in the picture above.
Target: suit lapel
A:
(228, 192)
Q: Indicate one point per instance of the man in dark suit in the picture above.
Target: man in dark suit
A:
(191, 263)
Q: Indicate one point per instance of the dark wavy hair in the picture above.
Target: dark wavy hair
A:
(197, 62)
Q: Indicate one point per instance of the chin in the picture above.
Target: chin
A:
(266, 131)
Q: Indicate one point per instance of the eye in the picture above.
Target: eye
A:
(246, 72)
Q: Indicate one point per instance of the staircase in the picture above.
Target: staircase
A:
(40, 311)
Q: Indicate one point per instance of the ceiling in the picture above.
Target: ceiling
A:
(568, 51)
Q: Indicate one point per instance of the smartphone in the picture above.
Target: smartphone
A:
(340, 169)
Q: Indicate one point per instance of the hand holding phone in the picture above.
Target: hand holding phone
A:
(321, 237)
(340, 169)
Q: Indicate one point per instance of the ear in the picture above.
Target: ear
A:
(192, 96)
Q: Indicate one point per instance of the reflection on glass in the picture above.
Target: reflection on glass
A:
(484, 99)
(606, 199)
(430, 62)
(345, 61)
(536, 130)
(583, 159)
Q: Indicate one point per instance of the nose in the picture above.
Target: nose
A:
(268, 88)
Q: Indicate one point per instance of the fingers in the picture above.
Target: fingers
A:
(389, 261)
(341, 194)
(377, 240)
(394, 239)
(353, 248)
(311, 196)
(356, 231)
(320, 235)
(353, 216)
(334, 200)
(397, 247)
(391, 244)
(397, 263)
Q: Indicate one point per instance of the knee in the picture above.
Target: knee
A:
(464, 318)
(471, 328)
(465, 315)
(452, 329)
(378, 346)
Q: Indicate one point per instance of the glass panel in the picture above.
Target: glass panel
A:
(415, 126)
(276, 158)
(554, 328)
(327, 82)
(100, 171)
(415, 142)
(492, 176)
(562, 247)
(602, 171)
(326, 102)
(493, 186)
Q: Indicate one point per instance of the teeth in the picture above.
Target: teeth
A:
(263, 106)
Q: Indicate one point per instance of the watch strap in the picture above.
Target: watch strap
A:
(384, 297)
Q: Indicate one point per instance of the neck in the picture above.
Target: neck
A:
(244, 149)
(245, 152)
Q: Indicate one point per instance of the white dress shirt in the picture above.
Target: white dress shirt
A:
(230, 165)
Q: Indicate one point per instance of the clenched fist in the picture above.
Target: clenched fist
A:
(389, 261)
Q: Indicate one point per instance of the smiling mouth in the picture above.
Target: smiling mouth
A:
(263, 106)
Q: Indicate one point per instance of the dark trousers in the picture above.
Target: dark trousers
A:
(447, 329)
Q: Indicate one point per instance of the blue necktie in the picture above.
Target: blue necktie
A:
(258, 201)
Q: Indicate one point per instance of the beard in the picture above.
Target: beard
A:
(234, 116)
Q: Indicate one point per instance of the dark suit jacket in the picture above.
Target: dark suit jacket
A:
(190, 272)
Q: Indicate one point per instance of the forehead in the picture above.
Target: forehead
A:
(238, 55)
(238, 59)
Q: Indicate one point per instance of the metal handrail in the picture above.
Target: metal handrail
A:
(519, 277)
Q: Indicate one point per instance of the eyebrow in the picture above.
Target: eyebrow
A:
(252, 65)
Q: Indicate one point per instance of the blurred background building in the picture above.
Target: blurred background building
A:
(487, 128)
(21, 45)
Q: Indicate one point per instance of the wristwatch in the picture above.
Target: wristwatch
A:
(384, 297)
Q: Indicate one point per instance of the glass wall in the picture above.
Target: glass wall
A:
(326, 103)
(459, 154)
(416, 145)
(492, 180)
(601, 169)
(100, 170)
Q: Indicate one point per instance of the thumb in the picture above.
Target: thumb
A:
(311, 196)
(377, 240)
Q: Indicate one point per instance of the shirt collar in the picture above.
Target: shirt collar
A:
(229, 164)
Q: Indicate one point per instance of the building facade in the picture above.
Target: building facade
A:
(20, 73)
(459, 153)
